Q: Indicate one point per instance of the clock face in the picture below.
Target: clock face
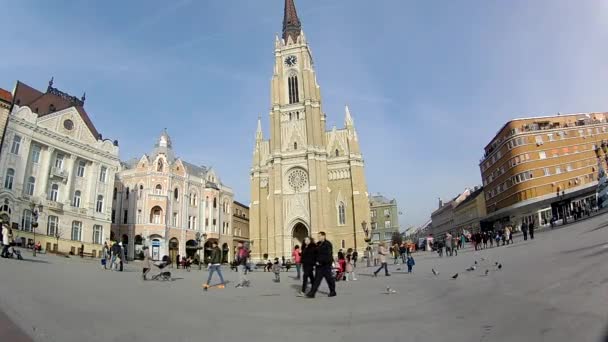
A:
(291, 60)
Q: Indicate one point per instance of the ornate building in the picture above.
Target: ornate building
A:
(162, 201)
(304, 179)
(384, 215)
(54, 162)
(6, 101)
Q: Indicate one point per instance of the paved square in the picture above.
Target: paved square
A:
(554, 288)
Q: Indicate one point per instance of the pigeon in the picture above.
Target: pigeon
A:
(434, 272)
(483, 259)
(487, 271)
(472, 268)
(499, 266)
(455, 276)
(390, 291)
(496, 263)
(475, 262)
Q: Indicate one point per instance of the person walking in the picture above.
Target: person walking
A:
(396, 254)
(524, 230)
(177, 261)
(242, 255)
(115, 258)
(448, 244)
(215, 264)
(6, 239)
(350, 265)
(484, 239)
(355, 258)
(276, 269)
(510, 234)
(382, 256)
(531, 229)
(324, 260)
(455, 245)
(146, 263)
(403, 252)
(122, 256)
(491, 238)
(410, 263)
(104, 254)
(296, 256)
(308, 264)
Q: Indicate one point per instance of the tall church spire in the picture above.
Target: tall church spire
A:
(259, 136)
(291, 22)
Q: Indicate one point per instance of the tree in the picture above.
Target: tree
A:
(396, 239)
(57, 235)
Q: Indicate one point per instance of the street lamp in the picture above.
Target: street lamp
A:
(366, 231)
(35, 212)
(199, 247)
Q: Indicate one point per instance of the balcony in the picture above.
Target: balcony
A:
(60, 173)
(52, 205)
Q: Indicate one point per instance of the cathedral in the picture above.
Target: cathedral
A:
(304, 179)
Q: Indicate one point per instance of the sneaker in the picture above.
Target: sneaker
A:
(354, 278)
(388, 275)
(375, 274)
(221, 286)
(333, 294)
(308, 295)
(301, 294)
(205, 287)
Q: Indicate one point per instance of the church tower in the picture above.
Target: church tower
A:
(304, 179)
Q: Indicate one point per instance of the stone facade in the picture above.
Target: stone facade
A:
(469, 213)
(384, 216)
(442, 219)
(163, 202)
(6, 101)
(240, 224)
(53, 161)
(304, 179)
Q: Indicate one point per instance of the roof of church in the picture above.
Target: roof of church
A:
(291, 23)
(53, 100)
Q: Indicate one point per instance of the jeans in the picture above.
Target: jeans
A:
(215, 268)
(409, 268)
(308, 274)
(298, 268)
(323, 272)
(5, 250)
(242, 278)
(525, 235)
(385, 266)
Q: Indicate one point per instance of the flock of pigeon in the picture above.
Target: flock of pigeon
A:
(472, 268)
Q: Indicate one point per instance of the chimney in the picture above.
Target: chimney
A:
(440, 203)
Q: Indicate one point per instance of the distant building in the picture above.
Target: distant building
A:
(443, 218)
(162, 201)
(469, 213)
(54, 161)
(240, 224)
(6, 100)
(384, 216)
(542, 167)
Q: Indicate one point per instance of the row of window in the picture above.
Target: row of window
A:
(52, 228)
(158, 190)
(387, 213)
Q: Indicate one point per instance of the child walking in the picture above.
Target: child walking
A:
(410, 263)
(276, 269)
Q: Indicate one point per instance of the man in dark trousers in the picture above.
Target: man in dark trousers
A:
(324, 260)
(531, 229)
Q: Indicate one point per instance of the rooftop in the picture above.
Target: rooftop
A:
(6, 96)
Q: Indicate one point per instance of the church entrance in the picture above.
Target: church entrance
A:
(299, 233)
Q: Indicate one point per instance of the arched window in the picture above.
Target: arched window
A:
(8, 181)
(159, 189)
(141, 191)
(159, 168)
(214, 202)
(54, 192)
(337, 153)
(29, 187)
(114, 193)
(156, 215)
(295, 145)
(127, 193)
(176, 194)
(76, 199)
(26, 220)
(294, 96)
(341, 214)
(193, 199)
(99, 207)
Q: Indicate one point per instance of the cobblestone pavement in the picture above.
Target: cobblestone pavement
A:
(553, 288)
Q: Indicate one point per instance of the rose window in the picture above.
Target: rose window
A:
(297, 179)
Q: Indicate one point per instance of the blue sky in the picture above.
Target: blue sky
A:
(428, 82)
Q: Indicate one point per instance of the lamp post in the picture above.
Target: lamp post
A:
(35, 212)
(200, 237)
(366, 231)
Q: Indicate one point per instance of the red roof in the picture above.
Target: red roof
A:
(50, 102)
(6, 95)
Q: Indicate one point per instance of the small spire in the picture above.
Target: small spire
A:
(84, 97)
(348, 119)
(259, 135)
(50, 84)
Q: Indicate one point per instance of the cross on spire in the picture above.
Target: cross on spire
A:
(291, 23)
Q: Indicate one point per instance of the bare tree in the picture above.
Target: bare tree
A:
(58, 234)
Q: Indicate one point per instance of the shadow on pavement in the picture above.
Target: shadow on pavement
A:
(605, 225)
(596, 253)
(581, 249)
(37, 261)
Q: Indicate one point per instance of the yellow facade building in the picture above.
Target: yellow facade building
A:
(542, 167)
(304, 179)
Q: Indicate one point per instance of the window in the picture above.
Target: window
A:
(539, 140)
(59, 161)
(558, 170)
(141, 192)
(542, 155)
(158, 190)
(191, 222)
(99, 206)
(569, 167)
(176, 194)
(581, 132)
(36, 154)
(337, 153)
(97, 234)
(51, 225)
(295, 145)
(214, 222)
(159, 168)
(114, 194)
(206, 222)
(139, 220)
(80, 170)
(292, 82)
(102, 174)
(127, 193)
(214, 202)
(341, 214)
(193, 200)
(76, 230)
(54, 193)
(546, 171)
(372, 213)
(387, 224)
(156, 215)
(16, 144)
(113, 216)
(8, 180)
(387, 213)
(29, 186)
(175, 220)
(125, 217)
(26, 220)
(343, 244)
(550, 136)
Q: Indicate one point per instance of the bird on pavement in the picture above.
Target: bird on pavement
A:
(475, 262)
(487, 271)
(455, 276)
(434, 272)
(499, 266)
(496, 263)
(390, 291)
(472, 268)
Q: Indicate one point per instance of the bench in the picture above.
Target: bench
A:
(89, 254)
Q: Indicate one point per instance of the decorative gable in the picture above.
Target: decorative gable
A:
(69, 123)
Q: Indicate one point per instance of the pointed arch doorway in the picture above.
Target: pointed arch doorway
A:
(300, 231)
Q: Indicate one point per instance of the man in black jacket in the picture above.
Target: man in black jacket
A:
(324, 260)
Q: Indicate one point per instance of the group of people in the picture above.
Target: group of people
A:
(113, 258)
(382, 253)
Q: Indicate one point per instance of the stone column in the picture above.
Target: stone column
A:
(46, 160)
(69, 168)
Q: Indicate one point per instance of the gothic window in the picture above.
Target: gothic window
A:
(341, 214)
(159, 189)
(294, 96)
(337, 153)
(8, 181)
(295, 145)
(127, 193)
(176, 194)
